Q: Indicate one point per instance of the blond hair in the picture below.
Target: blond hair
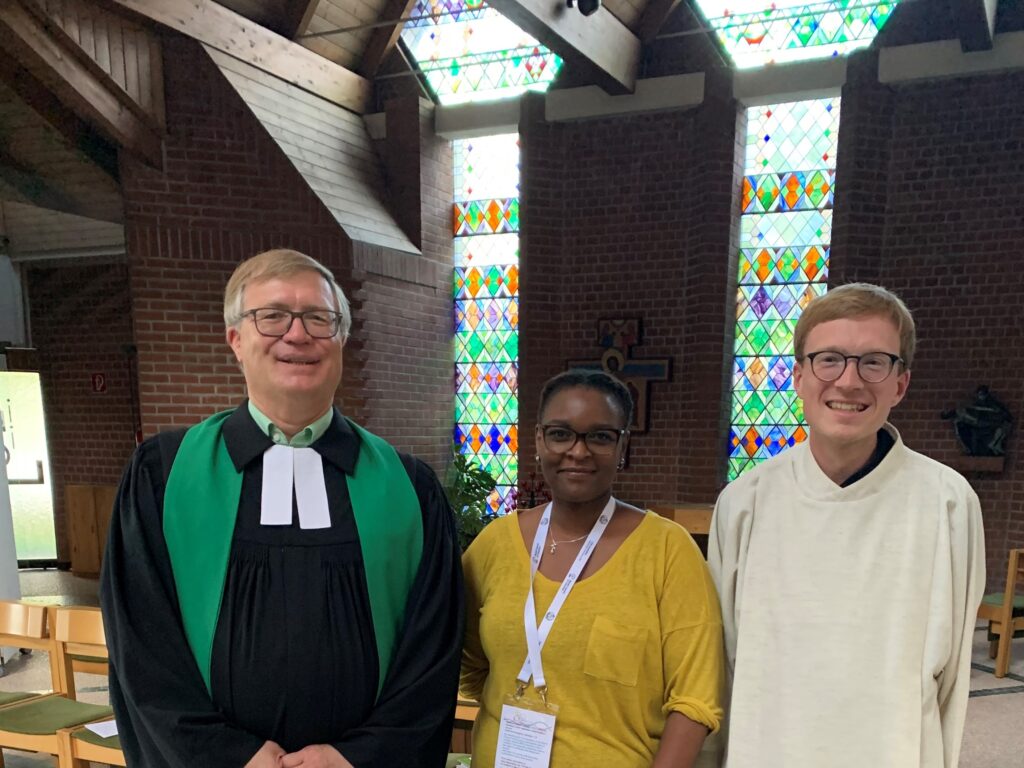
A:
(276, 263)
(858, 300)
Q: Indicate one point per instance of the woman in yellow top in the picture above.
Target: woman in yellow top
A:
(634, 657)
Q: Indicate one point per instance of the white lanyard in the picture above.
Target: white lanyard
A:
(536, 635)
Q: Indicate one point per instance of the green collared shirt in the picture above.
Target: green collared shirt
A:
(303, 439)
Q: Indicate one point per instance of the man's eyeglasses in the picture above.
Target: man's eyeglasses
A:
(271, 321)
(873, 367)
(600, 442)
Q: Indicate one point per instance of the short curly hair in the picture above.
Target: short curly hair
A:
(590, 379)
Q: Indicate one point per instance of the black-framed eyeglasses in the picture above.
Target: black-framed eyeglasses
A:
(872, 367)
(274, 321)
(600, 442)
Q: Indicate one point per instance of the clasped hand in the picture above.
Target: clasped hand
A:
(271, 755)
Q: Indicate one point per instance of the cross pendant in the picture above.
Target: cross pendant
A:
(552, 548)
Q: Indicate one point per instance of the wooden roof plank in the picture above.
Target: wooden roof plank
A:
(80, 84)
(235, 35)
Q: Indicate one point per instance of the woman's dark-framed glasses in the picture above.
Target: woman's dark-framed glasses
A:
(273, 321)
(600, 442)
(873, 367)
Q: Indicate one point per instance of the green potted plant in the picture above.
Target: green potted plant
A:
(468, 486)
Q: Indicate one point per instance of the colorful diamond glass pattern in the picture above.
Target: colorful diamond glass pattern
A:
(756, 32)
(785, 234)
(486, 292)
(792, 191)
(467, 51)
(486, 217)
(488, 286)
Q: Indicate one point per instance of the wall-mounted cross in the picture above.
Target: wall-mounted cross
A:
(618, 336)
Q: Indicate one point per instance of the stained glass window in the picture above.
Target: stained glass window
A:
(467, 51)
(756, 32)
(785, 234)
(486, 227)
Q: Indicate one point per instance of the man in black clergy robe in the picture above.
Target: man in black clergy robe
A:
(317, 620)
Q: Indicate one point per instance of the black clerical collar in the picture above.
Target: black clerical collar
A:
(882, 447)
(245, 441)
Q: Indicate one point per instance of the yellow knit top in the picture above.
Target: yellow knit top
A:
(639, 638)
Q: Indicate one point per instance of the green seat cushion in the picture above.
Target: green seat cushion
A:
(113, 742)
(48, 715)
(996, 598)
(90, 659)
(9, 697)
(457, 760)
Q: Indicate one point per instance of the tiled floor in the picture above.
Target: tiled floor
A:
(993, 737)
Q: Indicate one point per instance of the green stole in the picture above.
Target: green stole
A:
(201, 506)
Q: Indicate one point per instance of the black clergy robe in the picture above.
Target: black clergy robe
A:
(294, 656)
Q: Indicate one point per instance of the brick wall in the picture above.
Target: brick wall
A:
(81, 324)
(930, 200)
(627, 217)
(621, 217)
(631, 216)
(227, 192)
(407, 301)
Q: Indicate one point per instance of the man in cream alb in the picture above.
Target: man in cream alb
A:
(849, 567)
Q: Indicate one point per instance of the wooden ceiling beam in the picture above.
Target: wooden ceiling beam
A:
(233, 34)
(599, 42)
(83, 87)
(297, 15)
(384, 39)
(22, 184)
(79, 134)
(976, 20)
(654, 18)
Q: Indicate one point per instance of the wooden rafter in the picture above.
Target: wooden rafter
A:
(654, 18)
(235, 35)
(25, 185)
(599, 42)
(297, 15)
(79, 134)
(383, 39)
(43, 50)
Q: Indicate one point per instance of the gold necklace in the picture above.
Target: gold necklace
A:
(554, 543)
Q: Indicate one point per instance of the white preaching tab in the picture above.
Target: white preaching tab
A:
(276, 502)
(286, 468)
(106, 728)
(310, 491)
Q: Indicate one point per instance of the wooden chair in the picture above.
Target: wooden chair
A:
(999, 608)
(695, 518)
(82, 647)
(80, 746)
(32, 724)
(27, 625)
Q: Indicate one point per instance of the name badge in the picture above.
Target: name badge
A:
(525, 736)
